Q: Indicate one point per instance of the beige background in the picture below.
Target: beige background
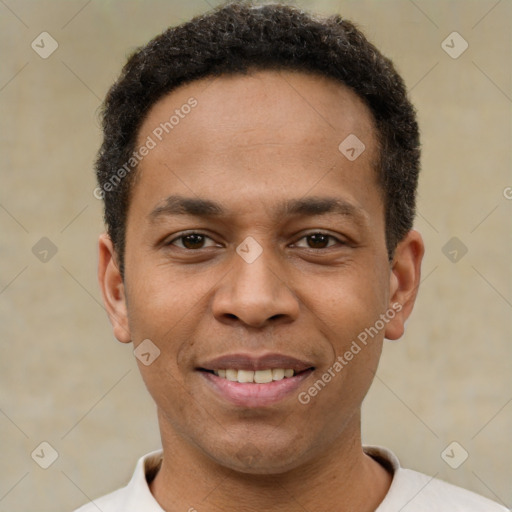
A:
(65, 380)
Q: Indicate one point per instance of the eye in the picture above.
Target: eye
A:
(191, 241)
(319, 240)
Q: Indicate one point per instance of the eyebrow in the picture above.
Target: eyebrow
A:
(308, 206)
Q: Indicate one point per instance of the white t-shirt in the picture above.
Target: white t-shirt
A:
(410, 491)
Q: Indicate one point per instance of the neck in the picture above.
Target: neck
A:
(343, 479)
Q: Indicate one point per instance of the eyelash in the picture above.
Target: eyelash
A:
(185, 235)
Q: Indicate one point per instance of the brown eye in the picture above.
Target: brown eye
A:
(191, 241)
(319, 241)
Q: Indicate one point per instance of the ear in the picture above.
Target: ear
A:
(404, 281)
(112, 289)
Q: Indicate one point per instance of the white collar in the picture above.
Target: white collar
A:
(409, 490)
(137, 497)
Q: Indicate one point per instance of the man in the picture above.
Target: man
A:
(259, 169)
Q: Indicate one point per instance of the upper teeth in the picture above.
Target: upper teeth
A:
(258, 376)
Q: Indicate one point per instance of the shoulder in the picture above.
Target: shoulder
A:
(412, 491)
(136, 496)
(420, 493)
(107, 503)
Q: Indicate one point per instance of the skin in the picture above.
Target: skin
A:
(251, 143)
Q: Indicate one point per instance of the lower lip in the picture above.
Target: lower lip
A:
(255, 395)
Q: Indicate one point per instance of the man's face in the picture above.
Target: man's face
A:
(272, 279)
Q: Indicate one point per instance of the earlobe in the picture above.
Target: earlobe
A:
(112, 289)
(404, 282)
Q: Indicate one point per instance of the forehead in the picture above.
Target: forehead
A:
(268, 131)
(265, 106)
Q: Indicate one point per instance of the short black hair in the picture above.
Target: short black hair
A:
(237, 37)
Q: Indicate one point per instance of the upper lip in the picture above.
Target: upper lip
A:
(252, 362)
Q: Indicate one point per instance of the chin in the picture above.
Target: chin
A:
(260, 458)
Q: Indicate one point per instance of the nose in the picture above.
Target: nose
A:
(255, 293)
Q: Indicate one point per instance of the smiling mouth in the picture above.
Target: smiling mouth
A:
(256, 376)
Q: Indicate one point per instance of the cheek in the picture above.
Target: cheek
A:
(349, 301)
(348, 314)
(340, 388)
(166, 306)
(161, 298)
